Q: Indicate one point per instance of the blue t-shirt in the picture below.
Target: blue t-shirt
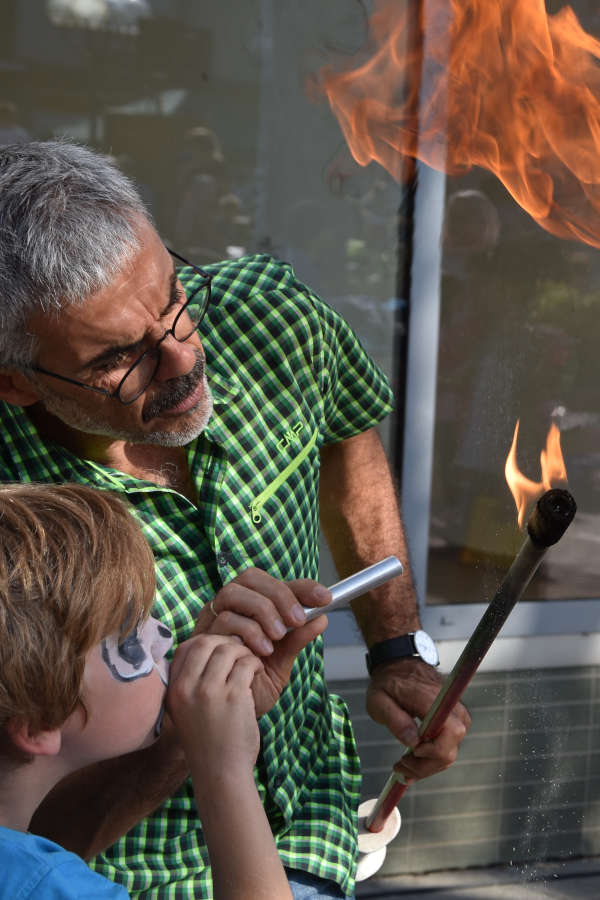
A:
(31, 866)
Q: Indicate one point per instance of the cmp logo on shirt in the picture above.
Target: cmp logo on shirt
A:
(291, 434)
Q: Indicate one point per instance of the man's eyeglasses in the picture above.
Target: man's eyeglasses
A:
(141, 372)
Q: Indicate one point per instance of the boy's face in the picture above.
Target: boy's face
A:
(124, 688)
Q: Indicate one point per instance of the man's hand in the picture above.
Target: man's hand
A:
(361, 522)
(259, 609)
(401, 690)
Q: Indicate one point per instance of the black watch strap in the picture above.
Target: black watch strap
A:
(393, 648)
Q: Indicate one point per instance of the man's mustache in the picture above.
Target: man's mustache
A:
(179, 389)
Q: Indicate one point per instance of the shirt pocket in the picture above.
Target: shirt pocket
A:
(271, 489)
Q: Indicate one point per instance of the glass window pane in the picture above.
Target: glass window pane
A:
(519, 331)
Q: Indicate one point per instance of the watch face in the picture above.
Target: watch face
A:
(426, 648)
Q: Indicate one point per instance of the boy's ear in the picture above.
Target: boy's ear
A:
(41, 743)
(16, 389)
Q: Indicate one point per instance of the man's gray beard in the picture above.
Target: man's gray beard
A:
(73, 416)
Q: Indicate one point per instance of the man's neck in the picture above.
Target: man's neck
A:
(165, 466)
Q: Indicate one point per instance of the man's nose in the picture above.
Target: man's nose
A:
(176, 358)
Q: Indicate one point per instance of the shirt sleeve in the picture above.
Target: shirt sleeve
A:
(356, 393)
(72, 880)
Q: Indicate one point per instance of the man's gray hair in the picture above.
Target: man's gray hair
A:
(67, 225)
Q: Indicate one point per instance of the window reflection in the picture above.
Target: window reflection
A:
(518, 336)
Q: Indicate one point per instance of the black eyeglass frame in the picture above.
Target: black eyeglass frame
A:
(206, 284)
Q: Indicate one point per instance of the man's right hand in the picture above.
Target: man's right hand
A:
(259, 609)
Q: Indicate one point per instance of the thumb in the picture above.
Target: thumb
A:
(288, 648)
(385, 710)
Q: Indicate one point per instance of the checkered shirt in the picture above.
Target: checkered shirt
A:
(287, 375)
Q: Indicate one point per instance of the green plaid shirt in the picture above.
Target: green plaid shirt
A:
(287, 375)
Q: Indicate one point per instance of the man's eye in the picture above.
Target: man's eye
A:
(177, 300)
(117, 361)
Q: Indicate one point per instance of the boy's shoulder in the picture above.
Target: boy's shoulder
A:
(32, 866)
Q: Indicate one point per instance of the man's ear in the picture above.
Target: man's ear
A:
(16, 389)
(40, 743)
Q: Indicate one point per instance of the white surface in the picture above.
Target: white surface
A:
(369, 863)
(505, 654)
(369, 841)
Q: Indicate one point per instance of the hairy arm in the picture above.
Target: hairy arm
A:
(92, 808)
(361, 523)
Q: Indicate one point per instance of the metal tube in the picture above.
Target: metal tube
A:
(550, 519)
(360, 583)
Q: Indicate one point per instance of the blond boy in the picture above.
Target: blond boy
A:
(83, 676)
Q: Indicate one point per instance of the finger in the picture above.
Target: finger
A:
(272, 606)
(244, 671)
(429, 757)
(221, 662)
(195, 652)
(413, 771)
(463, 714)
(310, 593)
(384, 709)
(411, 767)
(284, 604)
(239, 599)
(281, 662)
(247, 630)
(445, 745)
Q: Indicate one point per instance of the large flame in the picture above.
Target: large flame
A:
(525, 491)
(498, 84)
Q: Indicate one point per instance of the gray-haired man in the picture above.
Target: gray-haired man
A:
(229, 404)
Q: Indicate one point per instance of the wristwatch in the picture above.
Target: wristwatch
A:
(416, 644)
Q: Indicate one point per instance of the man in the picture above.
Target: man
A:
(227, 404)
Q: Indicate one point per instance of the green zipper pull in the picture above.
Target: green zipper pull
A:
(258, 502)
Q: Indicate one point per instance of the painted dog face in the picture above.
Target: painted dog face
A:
(123, 694)
(136, 655)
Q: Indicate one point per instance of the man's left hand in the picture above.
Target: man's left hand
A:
(256, 607)
(404, 689)
(268, 684)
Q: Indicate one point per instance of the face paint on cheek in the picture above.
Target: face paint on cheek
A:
(160, 639)
(126, 660)
(138, 655)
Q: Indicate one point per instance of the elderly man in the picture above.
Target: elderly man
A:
(228, 404)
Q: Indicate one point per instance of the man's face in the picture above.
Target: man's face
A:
(98, 341)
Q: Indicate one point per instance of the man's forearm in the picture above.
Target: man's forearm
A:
(361, 523)
(90, 809)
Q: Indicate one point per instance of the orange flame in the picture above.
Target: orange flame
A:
(525, 491)
(498, 84)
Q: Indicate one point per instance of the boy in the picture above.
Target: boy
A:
(83, 677)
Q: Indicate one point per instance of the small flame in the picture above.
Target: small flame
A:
(551, 460)
(499, 84)
(525, 491)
